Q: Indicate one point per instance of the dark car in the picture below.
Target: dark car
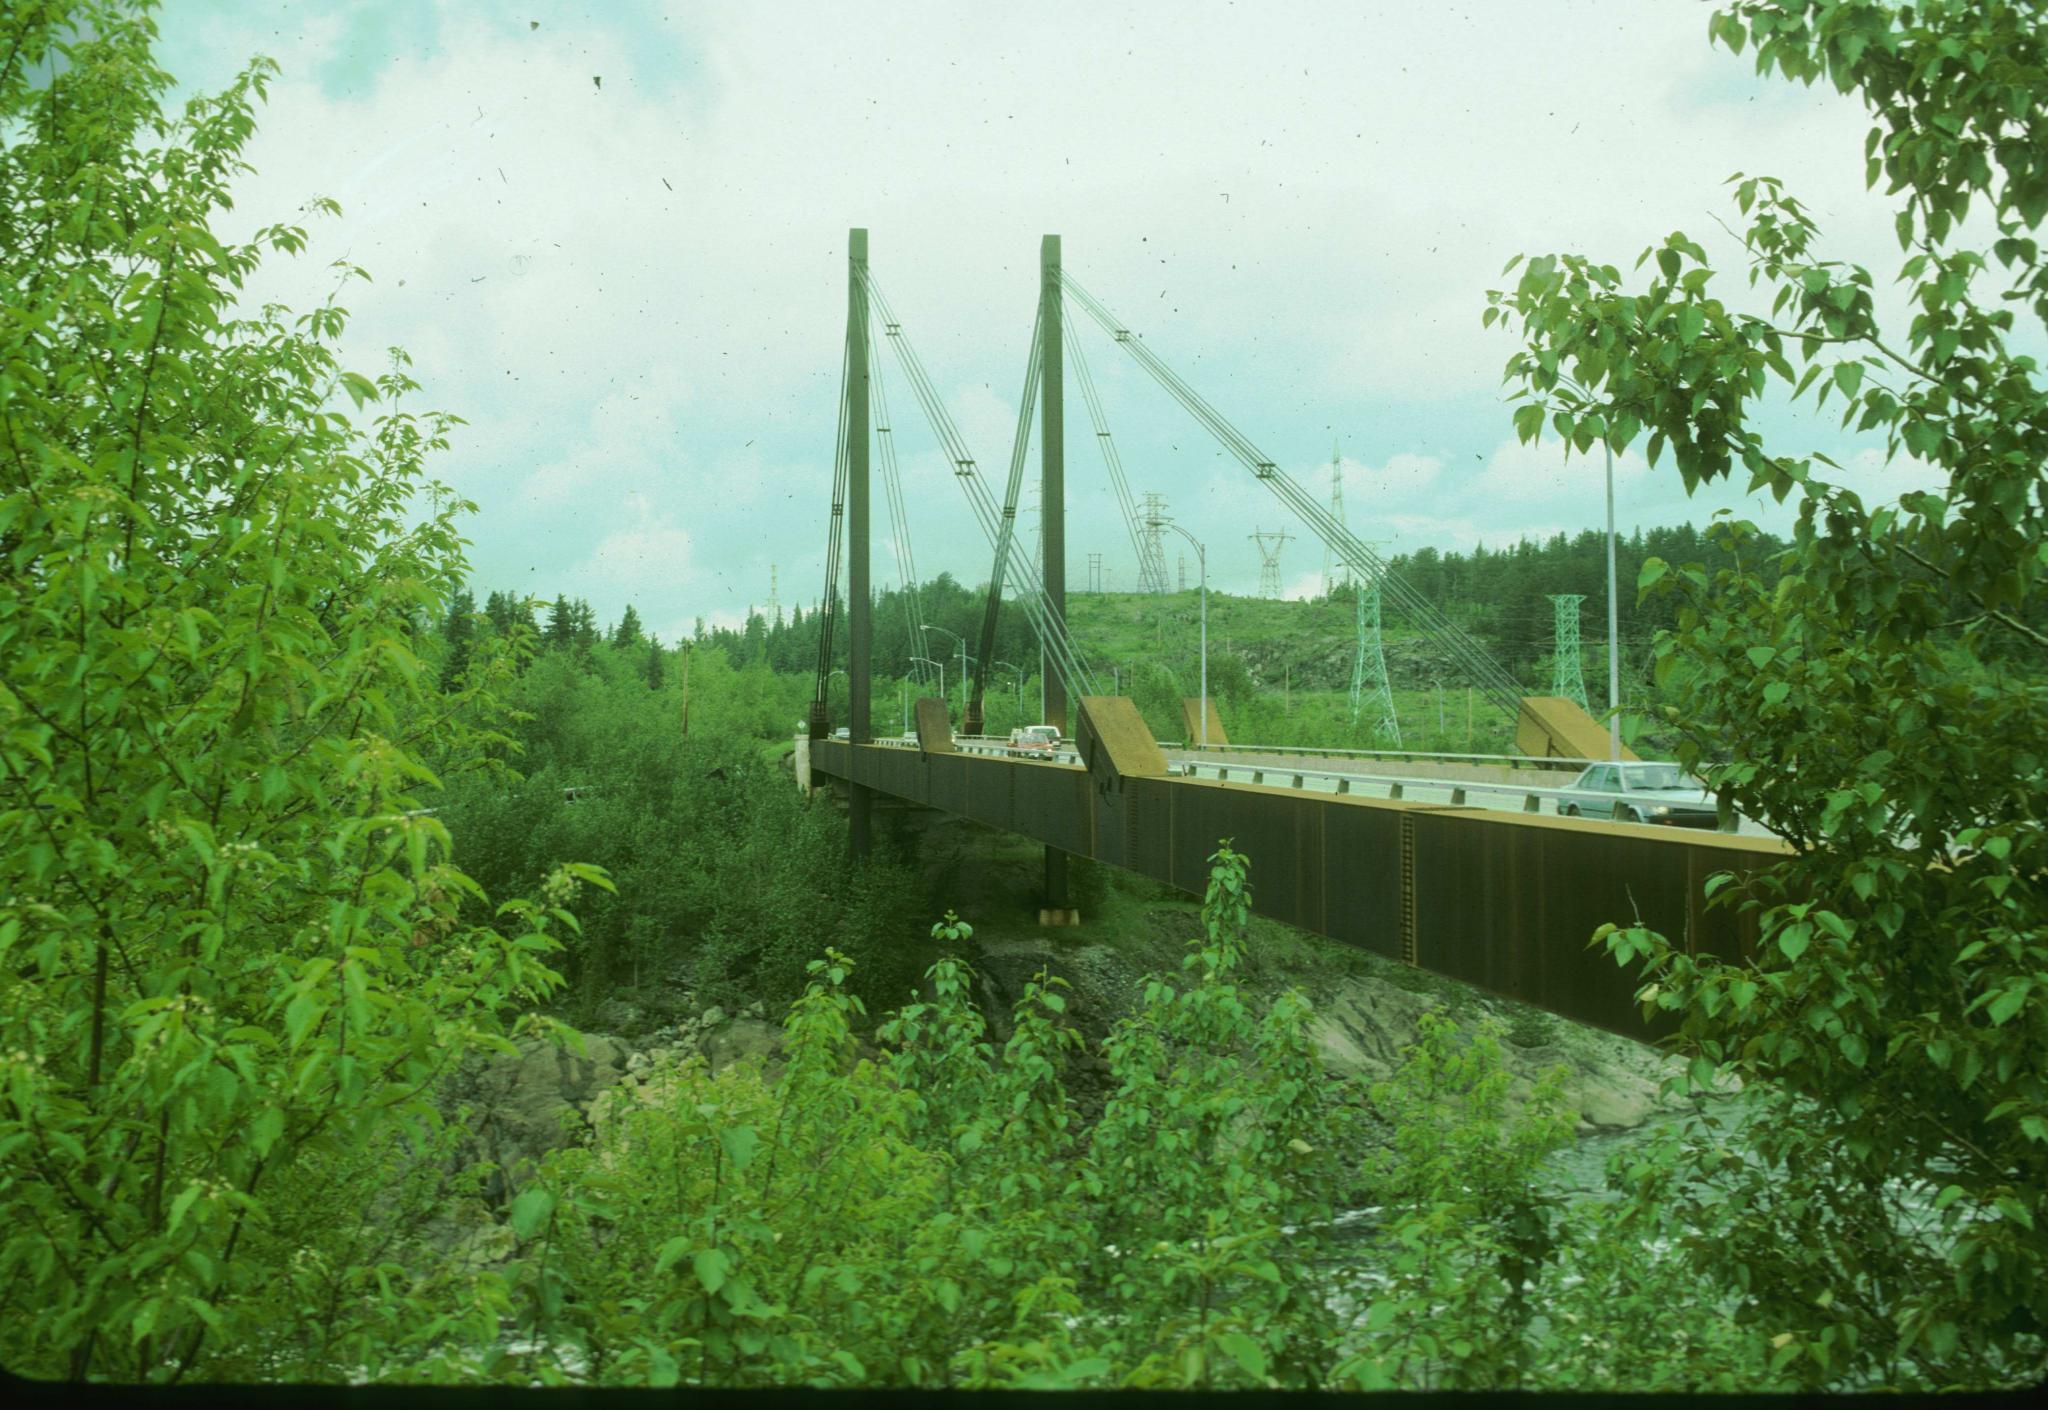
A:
(1640, 793)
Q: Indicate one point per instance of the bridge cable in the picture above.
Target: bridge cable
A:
(892, 492)
(1061, 654)
(1500, 688)
(1020, 451)
(833, 534)
(1151, 564)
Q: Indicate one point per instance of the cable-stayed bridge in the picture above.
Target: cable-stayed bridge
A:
(1504, 900)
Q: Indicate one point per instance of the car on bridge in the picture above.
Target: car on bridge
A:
(1035, 739)
(1640, 793)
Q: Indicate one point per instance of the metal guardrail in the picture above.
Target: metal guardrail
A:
(1365, 785)
(1347, 783)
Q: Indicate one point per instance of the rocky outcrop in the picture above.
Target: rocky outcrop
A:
(1364, 1021)
(523, 1104)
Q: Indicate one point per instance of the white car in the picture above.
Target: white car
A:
(1035, 739)
(1640, 793)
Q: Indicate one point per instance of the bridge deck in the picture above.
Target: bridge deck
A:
(1504, 901)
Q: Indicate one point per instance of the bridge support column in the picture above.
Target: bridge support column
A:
(1059, 903)
(859, 602)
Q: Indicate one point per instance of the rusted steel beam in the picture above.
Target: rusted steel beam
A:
(1504, 901)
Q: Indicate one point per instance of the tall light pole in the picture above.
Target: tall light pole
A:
(1019, 672)
(963, 663)
(1613, 616)
(942, 672)
(1201, 562)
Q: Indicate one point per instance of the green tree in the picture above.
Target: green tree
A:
(231, 968)
(654, 662)
(458, 634)
(627, 632)
(1882, 705)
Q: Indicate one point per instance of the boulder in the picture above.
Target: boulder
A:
(743, 1037)
(714, 1016)
(528, 1102)
(619, 1016)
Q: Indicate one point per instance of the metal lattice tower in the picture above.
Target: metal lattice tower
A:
(1095, 572)
(1154, 566)
(774, 600)
(1568, 676)
(1270, 545)
(1336, 512)
(1371, 692)
(1183, 572)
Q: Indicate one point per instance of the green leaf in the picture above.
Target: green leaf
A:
(1691, 319)
(1245, 1352)
(740, 1143)
(712, 1267)
(1775, 692)
(531, 1211)
(1849, 377)
(1761, 656)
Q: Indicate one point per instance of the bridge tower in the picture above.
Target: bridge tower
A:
(1052, 533)
(1568, 676)
(859, 597)
(1270, 545)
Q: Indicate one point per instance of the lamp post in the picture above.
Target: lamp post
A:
(963, 662)
(1613, 614)
(942, 672)
(1019, 672)
(1202, 563)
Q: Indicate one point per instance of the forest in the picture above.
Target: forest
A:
(297, 840)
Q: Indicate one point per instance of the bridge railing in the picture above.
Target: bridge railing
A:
(1512, 761)
(1532, 798)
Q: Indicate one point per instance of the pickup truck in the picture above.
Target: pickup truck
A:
(1034, 739)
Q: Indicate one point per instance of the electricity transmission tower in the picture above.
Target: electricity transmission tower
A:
(1371, 692)
(1568, 677)
(774, 599)
(1336, 510)
(1270, 545)
(1095, 572)
(1154, 566)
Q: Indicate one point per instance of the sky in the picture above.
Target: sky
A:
(612, 237)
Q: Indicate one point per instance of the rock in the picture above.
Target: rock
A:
(619, 1016)
(757, 1009)
(486, 1246)
(746, 1037)
(714, 1016)
(526, 1103)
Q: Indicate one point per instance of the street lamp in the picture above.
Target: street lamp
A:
(1020, 686)
(1613, 612)
(964, 658)
(942, 672)
(1202, 563)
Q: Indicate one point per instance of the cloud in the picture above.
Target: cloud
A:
(635, 291)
